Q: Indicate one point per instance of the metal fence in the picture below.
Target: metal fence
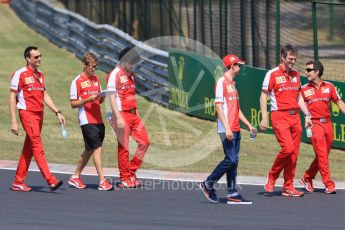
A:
(253, 29)
(329, 36)
(79, 35)
(247, 28)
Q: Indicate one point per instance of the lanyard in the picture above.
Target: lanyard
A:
(37, 79)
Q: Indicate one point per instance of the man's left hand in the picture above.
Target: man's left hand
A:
(61, 118)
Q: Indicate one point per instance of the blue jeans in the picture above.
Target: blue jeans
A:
(228, 165)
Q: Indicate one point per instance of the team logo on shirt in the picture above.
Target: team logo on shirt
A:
(325, 90)
(309, 92)
(29, 80)
(230, 88)
(280, 80)
(123, 79)
(85, 84)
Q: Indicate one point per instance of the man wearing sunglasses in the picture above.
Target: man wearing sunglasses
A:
(28, 93)
(282, 85)
(318, 95)
(84, 96)
(126, 119)
(229, 116)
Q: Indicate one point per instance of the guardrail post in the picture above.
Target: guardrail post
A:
(316, 51)
(277, 32)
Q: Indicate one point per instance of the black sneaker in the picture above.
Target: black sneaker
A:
(53, 187)
(238, 199)
(209, 193)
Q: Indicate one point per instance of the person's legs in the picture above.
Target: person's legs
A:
(93, 135)
(97, 158)
(97, 149)
(32, 124)
(123, 148)
(296, 134)
(329, 140)
(323, 153)
(329, 136)
(281, 128)
(231, 173)
(311, 172)
(225, 164)
(91, 141)
(75, 179)
(24, 162)
(84, 159)
(139, 134)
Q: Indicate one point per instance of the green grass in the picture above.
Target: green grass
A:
(178, 142)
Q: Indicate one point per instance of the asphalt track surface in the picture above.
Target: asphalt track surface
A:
(160, 205)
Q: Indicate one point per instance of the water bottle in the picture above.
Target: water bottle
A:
(109, 116)
(308, 131)
(252, 133)
(64, 131)
(110, 119)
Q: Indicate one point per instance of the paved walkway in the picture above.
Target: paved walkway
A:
(161, 205)
(157, 174)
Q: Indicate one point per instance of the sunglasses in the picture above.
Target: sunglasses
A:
(309, 69)
(92, 67)
(37, 57)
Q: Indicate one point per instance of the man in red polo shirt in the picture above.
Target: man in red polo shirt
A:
(282, 84)
(229, 115)
(28, 94)
(126, 119)
(84, 96)
(318, 95)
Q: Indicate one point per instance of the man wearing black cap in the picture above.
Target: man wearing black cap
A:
(126, 119)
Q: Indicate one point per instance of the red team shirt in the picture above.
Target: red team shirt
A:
(29, 86)
(124, 85)
(83, 87)
(283, 91)
(318, 100)
(226, 94)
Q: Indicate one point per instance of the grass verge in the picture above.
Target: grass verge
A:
(178, 142)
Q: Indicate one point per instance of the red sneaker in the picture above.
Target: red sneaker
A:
(21, 187)
(105, 185)
(269, 186)
(76, 182)
(127, 184)
(330, 191)
(292, 192)
(307, 184)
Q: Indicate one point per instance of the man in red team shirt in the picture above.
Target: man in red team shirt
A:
(282, 84)
(318, 95)
(229, 115)
(84, 96)
(126, 119)
(28, 93)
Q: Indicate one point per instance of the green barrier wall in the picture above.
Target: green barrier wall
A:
(192, 79)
